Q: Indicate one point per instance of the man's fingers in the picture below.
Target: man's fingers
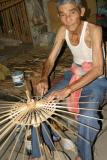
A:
(42, 89)
(45, 89)
(42, 92)
(51, 97)
(56, 95)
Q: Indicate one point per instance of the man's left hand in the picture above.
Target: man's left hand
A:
(60, 94)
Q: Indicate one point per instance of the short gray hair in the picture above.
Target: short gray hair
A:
(77, 2)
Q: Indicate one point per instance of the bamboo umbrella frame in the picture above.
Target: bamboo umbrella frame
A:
(22, 115)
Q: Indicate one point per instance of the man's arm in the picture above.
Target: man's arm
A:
(49, 63)
(42, 87)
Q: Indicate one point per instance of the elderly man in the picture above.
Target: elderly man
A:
(85, 76)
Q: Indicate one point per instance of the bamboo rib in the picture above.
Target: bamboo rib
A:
(51, 126)
(69, 128)
(25, 114)
(8, 139)
(25, 140)
(11, 116)
(77, 114)
(38, 139)
(75, 121)
(65, 107)
(6, 129)
(16, 143)
(22, 128)
(51, 141)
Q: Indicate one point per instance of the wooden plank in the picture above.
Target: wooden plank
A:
(6, 19)
(10, 4)
(16, 34)
(14, 8)
(26, 23)
(20, 18)
(1, 1)
(10, 31)
(5, 28)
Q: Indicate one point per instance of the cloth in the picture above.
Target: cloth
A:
(73, 99)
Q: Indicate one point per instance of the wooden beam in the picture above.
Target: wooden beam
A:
(10, 4)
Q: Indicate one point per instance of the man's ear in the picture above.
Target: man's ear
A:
(58, 15)
(82, 11)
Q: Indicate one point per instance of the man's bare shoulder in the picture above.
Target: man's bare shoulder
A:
(62, 29)
(94, 29)
(61, 32)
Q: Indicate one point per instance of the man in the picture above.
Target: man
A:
(85, 42)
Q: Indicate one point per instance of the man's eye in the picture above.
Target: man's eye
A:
(73, 12)
(62, 15)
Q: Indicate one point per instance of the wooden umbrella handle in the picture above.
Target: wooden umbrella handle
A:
(28, 95)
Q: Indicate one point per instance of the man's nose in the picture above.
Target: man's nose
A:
(68, 18)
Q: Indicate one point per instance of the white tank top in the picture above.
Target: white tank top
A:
(81, 53)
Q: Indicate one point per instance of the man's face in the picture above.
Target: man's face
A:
(70, 16)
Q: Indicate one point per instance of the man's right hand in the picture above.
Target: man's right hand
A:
(42, 87)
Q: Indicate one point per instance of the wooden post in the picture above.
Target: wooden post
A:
(45, 6)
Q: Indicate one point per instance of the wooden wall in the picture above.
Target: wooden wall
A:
(14, 21)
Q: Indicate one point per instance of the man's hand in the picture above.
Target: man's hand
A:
(60, 94)
(42, 87)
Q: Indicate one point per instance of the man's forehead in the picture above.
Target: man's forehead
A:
(70, 9)
(68, 6)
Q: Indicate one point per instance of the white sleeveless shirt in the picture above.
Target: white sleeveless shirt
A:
(81, 53)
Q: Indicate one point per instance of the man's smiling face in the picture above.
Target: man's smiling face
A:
(70, 16)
